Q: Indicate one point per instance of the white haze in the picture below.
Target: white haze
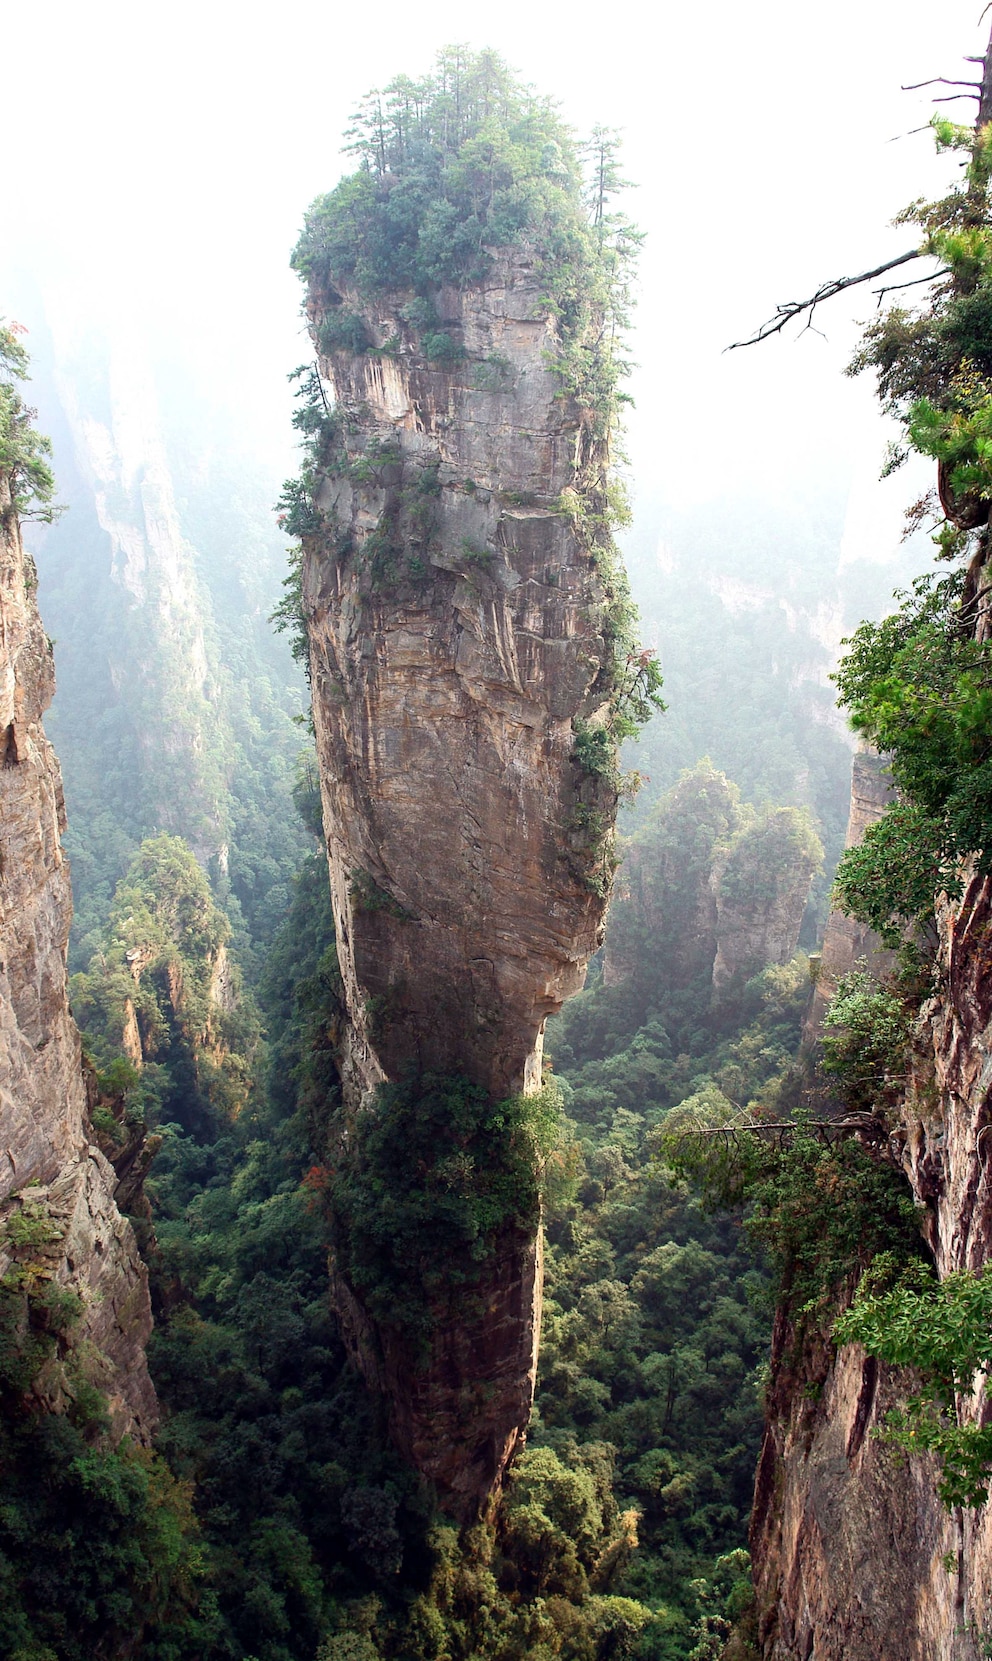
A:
(159, 160)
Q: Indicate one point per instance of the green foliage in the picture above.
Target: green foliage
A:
(821, 1211)
(426, 1183)
(343, 331)
(766, 856)
(464, 161)
(943, 1330)
(889, 878)
(595, 751)
(919, 687)
(98, 1545)
(155, 966)
(24, 452)
(867, 1029)
(439, 347)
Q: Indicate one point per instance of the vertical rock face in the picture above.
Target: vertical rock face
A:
(51, 1167)
(855, 1557)
(458, 628)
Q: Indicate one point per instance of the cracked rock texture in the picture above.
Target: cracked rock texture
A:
(457, 628)
(49, 1158)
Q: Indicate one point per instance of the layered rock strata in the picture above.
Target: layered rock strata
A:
(458, 632)
(51, 1169)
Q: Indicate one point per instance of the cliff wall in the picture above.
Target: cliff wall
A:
(459, 630)
(854, 1554)
(51, 1170)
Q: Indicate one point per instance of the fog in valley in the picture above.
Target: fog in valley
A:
(342, 1470)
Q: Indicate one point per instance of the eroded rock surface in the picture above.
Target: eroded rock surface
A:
(458, 628)
(49, 1160)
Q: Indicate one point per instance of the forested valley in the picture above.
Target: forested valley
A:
(272, 1515)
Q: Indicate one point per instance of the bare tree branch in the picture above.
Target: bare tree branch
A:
(942, 81)
(893, 288)
(826, 291)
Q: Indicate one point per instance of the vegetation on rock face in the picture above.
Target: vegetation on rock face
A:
(823, 1211)
(153, 982)
(943, 1331)
(425, 1184)
(454, 167)
(454, 170)
(98, 1546)
(918, 685)
(24, 452)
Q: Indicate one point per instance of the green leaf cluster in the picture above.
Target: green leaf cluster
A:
(918, 686)
(821, 1212)
(24, 452)
(426, 1183)
(943, 1331)
(867, 1030)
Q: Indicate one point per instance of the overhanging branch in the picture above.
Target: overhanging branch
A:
(826, 291)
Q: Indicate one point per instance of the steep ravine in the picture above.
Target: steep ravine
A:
(457, 630)
(54, 1178)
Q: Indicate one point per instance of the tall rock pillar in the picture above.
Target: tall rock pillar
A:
(460, 653)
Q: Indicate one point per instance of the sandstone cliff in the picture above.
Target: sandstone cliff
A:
(53, 1173)
(459, 638)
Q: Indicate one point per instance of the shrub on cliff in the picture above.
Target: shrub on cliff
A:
(918, 685)
(451, 166)
(425, 1184)
(24, 452)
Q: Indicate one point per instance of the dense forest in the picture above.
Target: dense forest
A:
(273, 1519)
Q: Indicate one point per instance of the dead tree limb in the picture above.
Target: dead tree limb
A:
(894, 288)
(942, 81)
(826, 291)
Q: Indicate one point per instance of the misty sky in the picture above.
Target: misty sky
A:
(164, 156)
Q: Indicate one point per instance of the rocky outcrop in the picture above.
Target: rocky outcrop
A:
(846, 941)
(52, 1168)
(710, 890)
(761, 884)
(457, 631)
(459, 635)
